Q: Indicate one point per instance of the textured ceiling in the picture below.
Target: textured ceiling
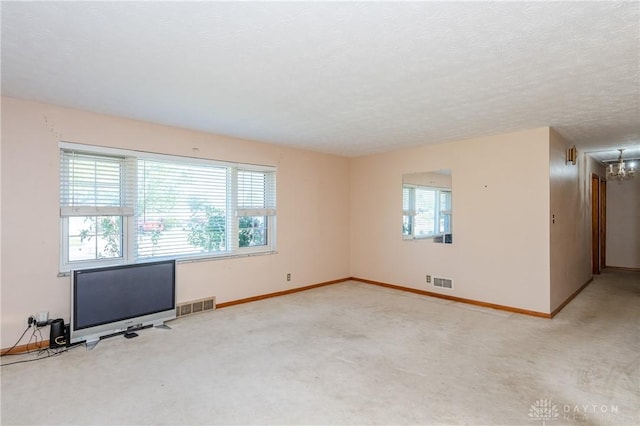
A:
(346, 78)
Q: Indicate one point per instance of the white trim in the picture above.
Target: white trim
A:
(255, 212)
(95, 211)
(119, 152)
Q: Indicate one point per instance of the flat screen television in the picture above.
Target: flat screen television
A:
(116, 299)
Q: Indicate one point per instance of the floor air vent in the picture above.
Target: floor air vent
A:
(195, 306)
(442, 282)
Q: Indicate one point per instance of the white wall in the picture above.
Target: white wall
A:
(500, 250)
(623, 224)
(313, 210)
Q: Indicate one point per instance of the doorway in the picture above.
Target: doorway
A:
(598, 223)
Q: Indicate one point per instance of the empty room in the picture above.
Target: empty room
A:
(337, 213)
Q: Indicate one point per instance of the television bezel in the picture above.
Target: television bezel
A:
(92, 334)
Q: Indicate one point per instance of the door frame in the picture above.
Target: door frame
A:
(598, 223)
(603, 223)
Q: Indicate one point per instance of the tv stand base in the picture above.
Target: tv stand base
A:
(128, 333)
(91, 344)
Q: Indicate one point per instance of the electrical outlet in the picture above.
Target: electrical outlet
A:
(428, 279)
(288, 277)
(30, 321)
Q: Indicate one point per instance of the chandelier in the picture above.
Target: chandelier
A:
(621, 171)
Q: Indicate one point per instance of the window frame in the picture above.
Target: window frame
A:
(129, 231)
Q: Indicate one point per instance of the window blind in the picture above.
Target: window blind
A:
(181, 209)
(256, 193)
(93, 185)
(408, 207)
(125, 206)
(425, 211)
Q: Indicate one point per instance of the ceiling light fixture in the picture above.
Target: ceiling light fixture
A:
(621, 171)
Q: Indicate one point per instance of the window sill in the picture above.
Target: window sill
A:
(199, 259)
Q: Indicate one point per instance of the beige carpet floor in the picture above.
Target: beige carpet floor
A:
(352, 353)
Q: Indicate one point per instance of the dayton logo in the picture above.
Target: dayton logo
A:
(543, 410)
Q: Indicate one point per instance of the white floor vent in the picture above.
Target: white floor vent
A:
(195, 306)
(442, 282)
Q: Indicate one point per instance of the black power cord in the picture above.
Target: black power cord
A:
(35, 334)
(39, 351)
(49, 353)
(16, 344)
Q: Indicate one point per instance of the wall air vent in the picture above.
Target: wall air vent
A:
(195, 306)
(442, 282)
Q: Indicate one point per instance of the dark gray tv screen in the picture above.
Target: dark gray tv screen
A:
(108, 300)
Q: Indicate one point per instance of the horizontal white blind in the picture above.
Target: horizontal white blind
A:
(126, 206)
(425, 211)
(94, 185)
(407, 201)
(445, 201)
(182, 208)
(256, 193)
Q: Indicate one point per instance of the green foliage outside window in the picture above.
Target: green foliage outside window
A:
(209, 233)
(251, 232)
(105, 229)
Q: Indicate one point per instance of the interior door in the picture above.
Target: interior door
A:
(595, 224)
(603, 224)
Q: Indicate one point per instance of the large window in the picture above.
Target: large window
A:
(122, 207)
(426, 211)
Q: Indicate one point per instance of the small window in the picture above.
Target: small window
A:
(94, 208)
(256, 208)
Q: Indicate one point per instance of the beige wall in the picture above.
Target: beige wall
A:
(623, 224)
(570, 221)
(500, 220)
(337, 217)
(313, 210)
